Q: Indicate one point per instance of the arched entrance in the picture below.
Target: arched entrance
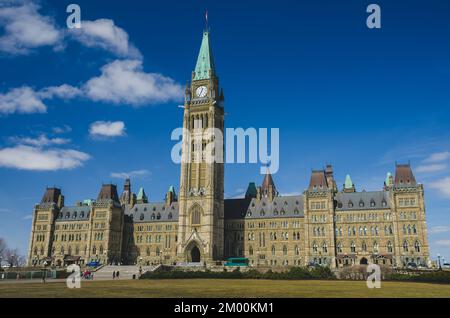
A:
(195, 254)
(363, 261)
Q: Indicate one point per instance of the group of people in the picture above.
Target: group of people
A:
(116, 275)
(87, 275)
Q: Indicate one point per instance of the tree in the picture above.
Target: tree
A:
(3, 249)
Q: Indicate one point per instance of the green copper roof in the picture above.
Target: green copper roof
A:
(251, 190)
(172, 189)
(388, 179)
(205, 61)
(141, 195)
(348, 182)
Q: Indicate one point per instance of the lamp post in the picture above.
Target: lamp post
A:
(439, 261)
(45, 272)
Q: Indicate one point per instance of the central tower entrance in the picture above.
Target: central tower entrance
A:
(195, 255)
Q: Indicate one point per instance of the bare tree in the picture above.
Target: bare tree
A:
(12, 256)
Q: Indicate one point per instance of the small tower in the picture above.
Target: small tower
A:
(171, 196)
(389, 181)
(127, 197)
(251, 191)
(267, 188)
(141, 196)
(349, 186)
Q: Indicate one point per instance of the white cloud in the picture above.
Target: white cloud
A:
(40, 141)
(25, 29)
(107, 129)
(62, 130)
(123, 81)
(438, 156)
(443, 185)
(431, 168)
(63, 91)
(445, 243)
(23, 100)
(103, 33)
(439, 229)
(34, 158)
(27, 217)
(130, 174)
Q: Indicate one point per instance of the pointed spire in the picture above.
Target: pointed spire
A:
(268, 188)
(205, 62)
(142, 197)
(348, 184)
(171, 196)
(251, 190)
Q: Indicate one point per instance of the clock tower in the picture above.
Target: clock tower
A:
(201, 200)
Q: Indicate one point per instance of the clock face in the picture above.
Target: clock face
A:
(201, 91)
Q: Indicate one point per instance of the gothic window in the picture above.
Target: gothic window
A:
(417, 246)
(315, 247)
(364, 247)
(101, 249)
(284, 250)
(158, 252)
(389, 247)
(409, 229)
(195, 215)
(141, 217)
(324, 247)
(414, 229)
(250, 250)
(353, 247)
(404, 229)
(148, 251)
(94, 250)
(405, 246)
(77, 250)
(158, 216)
(297, 250)
(339, 247)
(375, 247)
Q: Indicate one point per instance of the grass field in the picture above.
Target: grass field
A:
(199, 288)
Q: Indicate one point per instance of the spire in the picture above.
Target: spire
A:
(404, 175)
(267, 188)
(348, 184)
(171, 196)
(142, 197)
(205, 62)
(251, 190)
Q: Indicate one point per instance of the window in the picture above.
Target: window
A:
(284, 250)
(297, 250)
(169, 216)
(405, 246)
(417, 246)
(158, 216)
(141, 217)
(364, 247)
(315, 247)
(324, 247)
(389, 247)
(339, 247)
(375, 247)
(195, 216)
(353, 247)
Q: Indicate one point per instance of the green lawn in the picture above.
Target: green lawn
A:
(224, 288)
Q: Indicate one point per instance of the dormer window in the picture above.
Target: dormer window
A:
(145, 209)
(82, 214)
(74, 216)
(141, 217)
(361, 204)
(282, 212)
(275, 212)
(170, 216)
(295, 211)
(350, 204)
(153, 216)
(262, 213)
(384, 203)
(67, 215)
(158, 216)
(372, 203)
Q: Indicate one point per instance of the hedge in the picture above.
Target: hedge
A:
(293, 273)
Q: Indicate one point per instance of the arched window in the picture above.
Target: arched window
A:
(74, 216)
(153, 216)
(169, 216)
(158, 252)
(375, 247)
(414, 229)
(417, 246)
(94, 250)
(141, 217)
(405, 246)
(297, 250)
(315, 247)
(101, 249)
(364, 246)
(339, 247)
(353, 247)
(195, 215)
(158, 216)
(250, 250)
(324, 247)
(148, 251)
(273, 250)
(389, 247)
(284, 250)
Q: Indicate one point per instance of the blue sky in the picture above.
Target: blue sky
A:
(358, 98)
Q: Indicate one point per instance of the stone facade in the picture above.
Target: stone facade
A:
(324, 225)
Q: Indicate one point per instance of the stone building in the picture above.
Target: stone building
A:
(326, 224)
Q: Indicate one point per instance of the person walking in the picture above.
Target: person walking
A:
(117, 274)
(114, 274)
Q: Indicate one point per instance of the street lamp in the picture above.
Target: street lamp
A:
(439, 261)
(45, 272)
